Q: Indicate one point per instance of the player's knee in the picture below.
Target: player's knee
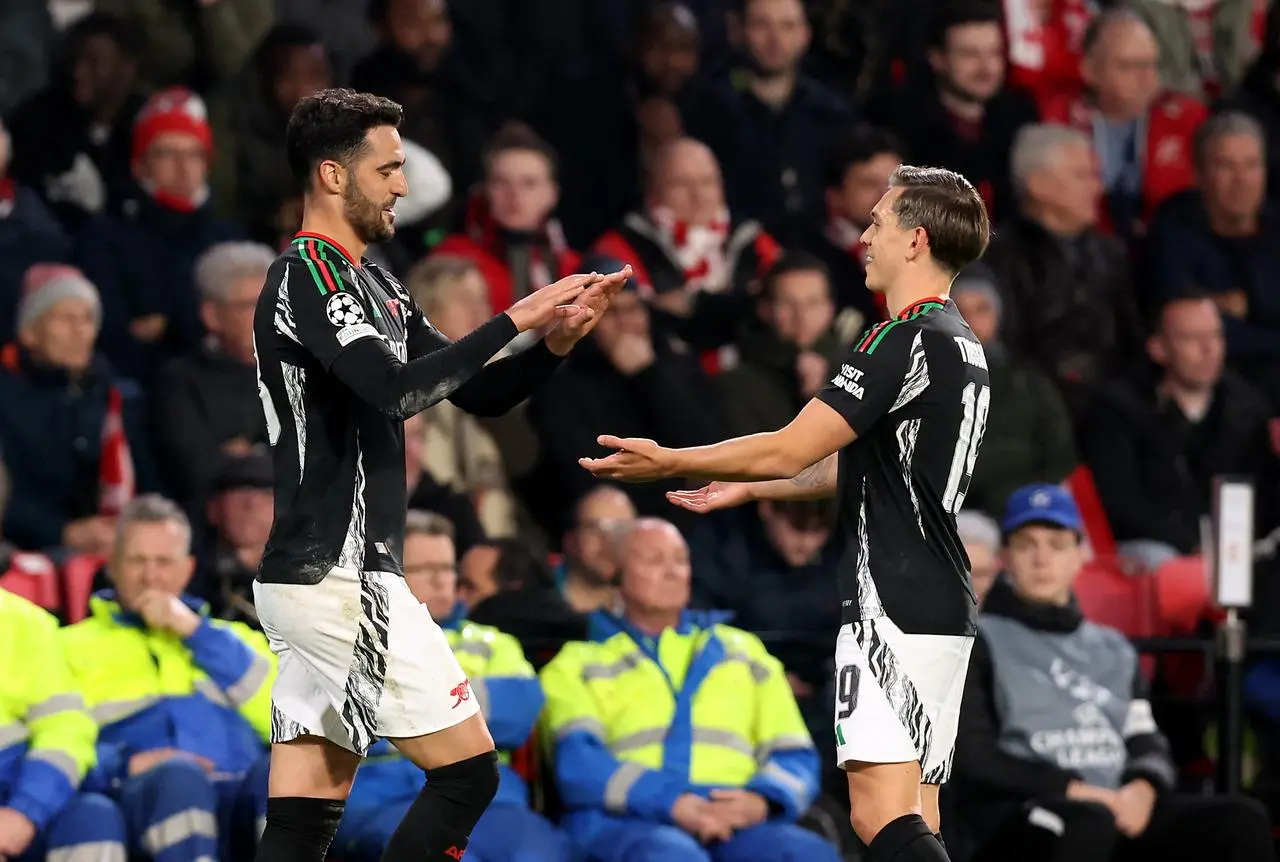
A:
(470, 783)
(876, 799)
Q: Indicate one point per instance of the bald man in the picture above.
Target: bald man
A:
(1142, 134)
(690, 255)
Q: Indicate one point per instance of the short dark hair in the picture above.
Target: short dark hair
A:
(116, 29)
(949, 209)
(332, 124)
(961, 14)
(270, 55)
(790, 262)
(1223, 125)
(1180, 295)
(858, 146)
(420, 522)
(803, 514)
(518, 136)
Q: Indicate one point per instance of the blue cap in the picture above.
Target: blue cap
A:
(1041, 504)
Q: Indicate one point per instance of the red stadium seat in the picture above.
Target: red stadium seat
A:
(1181, 595)
(1097, 529)
(35, 578)
(1110, 597)
(77, 585)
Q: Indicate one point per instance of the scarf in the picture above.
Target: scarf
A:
(115, 463)
(699, 250)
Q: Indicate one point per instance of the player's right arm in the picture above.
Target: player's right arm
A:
(334, 325)
(815, 482)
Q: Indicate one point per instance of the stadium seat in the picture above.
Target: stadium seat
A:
(1109, 596)
(1097, 529)
(35, 578)
(1181, 595)
(77, 585)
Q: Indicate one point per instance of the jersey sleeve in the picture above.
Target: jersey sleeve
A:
(872, 376)
(319, 311)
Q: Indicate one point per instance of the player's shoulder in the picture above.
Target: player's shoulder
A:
(314, 265)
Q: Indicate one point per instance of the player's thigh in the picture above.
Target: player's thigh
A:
(880, 793)
(428, 708)
(311, 766)
(929, 808)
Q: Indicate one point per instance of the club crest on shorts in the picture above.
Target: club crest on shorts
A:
(462, 691)
(343, 309)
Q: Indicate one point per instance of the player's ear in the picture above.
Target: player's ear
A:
(331, 177)
(919, 243)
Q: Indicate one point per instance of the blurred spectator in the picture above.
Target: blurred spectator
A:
(587, 574)
(26, 49)
(416, 64)
(239, 512)
(662, 95)
(1157, 440)
(47, 747)
(774, 566)
(509, 231)
(428, 495)
(142, 257)
(72, 141)
(29, 234)
(746, 768)
(183, 701)
(72, 433)
(862, 48)
(1141, 133)
(857, 176)
(505, 586)
(692, 259)
(1046, 42)
(510, 699)
(784, 122)
(1223, 239)
(1205, 45)
(349, 32)
(623, 379)
(197, 46)
(1029, 439)
(458, 449)
(787, 353)
(250, 175)
(208, 402)
(981, 537)
(1259, 95)
(1070, 303)
(965, 119)
(1058, 756)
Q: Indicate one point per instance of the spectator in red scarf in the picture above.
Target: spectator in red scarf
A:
(509, 231)
(72, 433)
(142, 257)
(692, 259)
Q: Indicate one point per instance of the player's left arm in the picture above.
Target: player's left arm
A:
(869, 383)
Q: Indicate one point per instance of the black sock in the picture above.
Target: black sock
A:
(438, 825)
(907, 839)
(299, 829)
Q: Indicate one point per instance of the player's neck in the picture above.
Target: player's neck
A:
(914, 291)
(337, 229)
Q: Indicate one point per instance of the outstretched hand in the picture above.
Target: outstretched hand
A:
(591, 304)
(637, 460)
(711, 498)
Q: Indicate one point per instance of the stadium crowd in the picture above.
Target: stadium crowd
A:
(660, 683)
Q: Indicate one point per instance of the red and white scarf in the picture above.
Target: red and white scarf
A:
(699, 250)
(115, 464)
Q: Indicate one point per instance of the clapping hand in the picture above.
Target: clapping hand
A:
(592, 303)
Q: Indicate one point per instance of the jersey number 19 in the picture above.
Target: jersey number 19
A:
(977, 401)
